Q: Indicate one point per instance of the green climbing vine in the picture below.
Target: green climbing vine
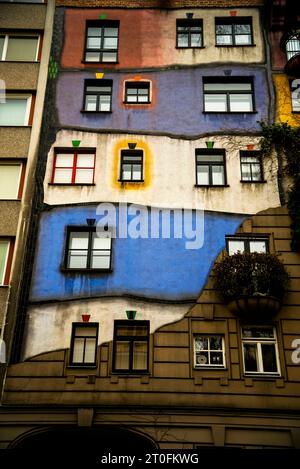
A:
(285, 140)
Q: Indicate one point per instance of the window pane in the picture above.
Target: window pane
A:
(243, 40)
(242, 29)
(85, 160)
(93, 43)
(143, 99)
(218, 175)
(100, 260)
(241, 102)
(224, 40)
(94, 32)
(101, 242)
(84, 176)
(250, 357)
(260, 333)
(122, 355)
(110, 43)
(182, 40)
(92, 56)
(77, 260)
(79, 240)
(64, 160)
(112, 32)
(9, 181)
(63, 176)
(90, 351)
(258, 246)
(215, 102)
(132, 331)
(202, 358)
(86, 331)
(235, 246)
(216, 358)
(22, 49)
(78, 351)
(223, 29)
(91, 103)
(209, 158)
(203, 175)
(109, 56)
(4, 245)
(104, 103)
(246, 172)
(126, 171)
(256, 172)
(136, 172)
(215, 343)
(196, 40)
(13, 111)
(131, 98)
(269, 358)
(227, 86)
(201, 343)
(140, 356)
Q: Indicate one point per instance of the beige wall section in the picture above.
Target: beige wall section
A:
(19, 75)
(28, 16)
(49, 326)
(172, 175)
(9, 213)
(14, 141)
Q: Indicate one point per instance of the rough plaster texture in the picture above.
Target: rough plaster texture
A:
(4, 291)
(283, 101)
(19, 75)
(30, 16)
(14, 141)
(9, 215)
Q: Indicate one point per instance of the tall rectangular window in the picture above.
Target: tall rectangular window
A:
(189, 33)
(251, 166)
(102, 41)
(6, 252)
(209, 351)
(97, 95)
(11, 179)
(228, 94)
(87, 249)
(243, 244)
(131, 346)
(210, 168)
(19, 47)
(260, 354)
(234, 31)
(131, 166)
(74, 166)
(84, 344)
(15, 110)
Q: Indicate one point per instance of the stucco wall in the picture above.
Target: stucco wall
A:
(49, 327)
(31, 16)
(179, 108)
(144, 267)
(169, 174)
(154, 40)
(9, 215)
(14, 141)
(283, 101)
(20, 76)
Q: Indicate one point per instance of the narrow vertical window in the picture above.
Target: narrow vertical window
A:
(84, 344)
(131, 346)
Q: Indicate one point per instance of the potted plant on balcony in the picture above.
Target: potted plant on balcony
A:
(252, 284)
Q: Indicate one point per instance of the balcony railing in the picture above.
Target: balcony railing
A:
(292, 46)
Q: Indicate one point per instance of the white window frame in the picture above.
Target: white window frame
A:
(28, 97)
(13, 163)
(6, 259)
(258, 341)
(209, 365)
(19, 35)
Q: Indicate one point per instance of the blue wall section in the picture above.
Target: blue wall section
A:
(177, 108)
(153, 268)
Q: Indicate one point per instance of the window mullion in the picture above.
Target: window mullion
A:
(89, 253)
(84, 344)
(74, 169)
(228, 102)
(5, 46)
(259, 358)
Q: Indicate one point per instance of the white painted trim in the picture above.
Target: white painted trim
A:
(258, 342)
(20, 34)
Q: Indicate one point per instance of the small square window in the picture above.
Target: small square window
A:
(102, 39)
(251, 166)
(11, 179)
(74, 166)
(87, 249)
(137, 92)
(260, 354)
(84, 344)
(97, 95)
(15, 110)
(131, 166)
(234, 31)
(189, 33)
(228, 94)
(243, 244)
(209, 351)
(131, 346)
(210, 168)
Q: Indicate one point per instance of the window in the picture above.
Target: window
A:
(87, 249)
(295, 94)
(6, 252)
(189, 33)
(293, 46)
(97, 95)
(209, 351)
(131, 166)
(19, 47)
(137, 92)
(251, 166)
(242, 244)
(15, 110)
(102, 41)
(228, 94)
(210, 168)
(260, 352)
(11, 179)
(73, 166)
(84, 344)
(234, 32)
(131, 346)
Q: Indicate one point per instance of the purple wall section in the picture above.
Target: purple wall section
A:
(178, 108)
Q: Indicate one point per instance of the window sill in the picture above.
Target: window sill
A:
(145, 103)
(130, 181)
(229, 112)
(81, 271)
(83, 111)
(100, 62)
(10, 200)
(208, 186)
(128, 374)
(21, 61)
(210, 367)
(263, 376)
(70, 184)
(235, 45)
(189, 47)
(4, 286)
(16, 126)
(253, 182)
(82, 366)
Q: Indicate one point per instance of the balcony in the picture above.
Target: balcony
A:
(290, 43)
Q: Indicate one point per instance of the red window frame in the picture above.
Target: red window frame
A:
(7, 268)
(75, 152)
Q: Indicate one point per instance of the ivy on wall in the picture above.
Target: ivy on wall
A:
(285, 140)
